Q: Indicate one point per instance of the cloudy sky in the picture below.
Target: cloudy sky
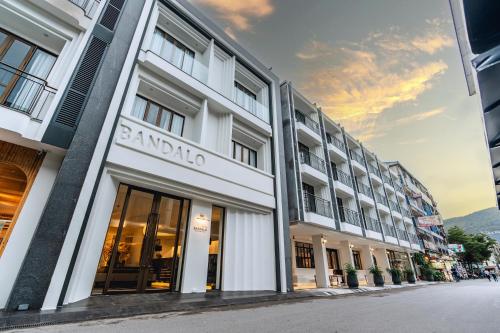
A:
(388, 70)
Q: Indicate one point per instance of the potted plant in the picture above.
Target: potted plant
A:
(378, 279)
(395, 274)
(410, 276)
(428, 273)
(352, 276)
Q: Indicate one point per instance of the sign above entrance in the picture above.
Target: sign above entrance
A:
(158, 145)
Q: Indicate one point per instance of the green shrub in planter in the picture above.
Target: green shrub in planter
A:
(410, 277)
(352, 276)
(438, 275)
(395, 274)
(428, 273)
(378, 279)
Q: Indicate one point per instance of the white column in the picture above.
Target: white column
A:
(411, 263)
(346, 253)
(367, 261)
(383, 263)
(194, 276)
(320, 263)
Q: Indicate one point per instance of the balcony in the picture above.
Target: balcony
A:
(381, 199)
(350, 216)
(336, 148)
(365, 194)
(403, 235)
(313, 168)
(358, 161)
(317, 205)
(89, 7)
(390, 233)
(251, 105)
(343, 182)
(308, 130)
(386, 178)
(374, 173)
(372, 224)
(413, 238)
(25, 93)
(394, 206)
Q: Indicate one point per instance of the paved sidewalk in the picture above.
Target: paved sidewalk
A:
(119, 306)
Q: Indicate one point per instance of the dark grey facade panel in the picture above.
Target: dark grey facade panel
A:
(43, 253)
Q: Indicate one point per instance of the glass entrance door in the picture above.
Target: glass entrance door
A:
(143, 244)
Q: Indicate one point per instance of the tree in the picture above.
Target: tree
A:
(478, 247)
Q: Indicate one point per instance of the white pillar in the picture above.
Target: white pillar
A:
(320, 263)
(194, 276)
(346, 253)
(411, 264)
(383, 263)
(367, 261)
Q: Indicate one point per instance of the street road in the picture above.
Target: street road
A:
(468, 306)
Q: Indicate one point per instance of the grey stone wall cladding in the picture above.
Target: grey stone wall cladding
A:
(38, 266)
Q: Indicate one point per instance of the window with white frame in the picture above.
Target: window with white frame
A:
(158, 115)
(173, 51)
(244, 154)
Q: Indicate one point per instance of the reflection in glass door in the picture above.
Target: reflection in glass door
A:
(143, 244)
(215, 249)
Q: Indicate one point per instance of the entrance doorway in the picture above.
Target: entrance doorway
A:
(215, 249)
(144, 244)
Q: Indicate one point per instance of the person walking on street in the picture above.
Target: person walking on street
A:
(494, 275)
(487, 274)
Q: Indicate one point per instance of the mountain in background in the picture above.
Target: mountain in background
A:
(486, 221)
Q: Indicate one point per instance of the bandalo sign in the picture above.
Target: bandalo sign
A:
(158, 145)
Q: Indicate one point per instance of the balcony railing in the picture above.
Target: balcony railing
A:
(310, 123)
(350, 216)
(364, 189)
(357, 157)
(406, 212)
(394, 205)
(380, 198)
(317, 205)
(313, 161)
(89, 6)
(373, 169)
(342, 177)
(386, 179)
(403, 235)
(29, 94)
(398, 187)
(372, 224)
(389, 230)
(336, 142)
(413, 238)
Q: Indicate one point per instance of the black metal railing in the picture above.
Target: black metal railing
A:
(373, 169)
(413, 238)
(28, 94)
(89, 7)
(357, 157)
(394, 205)
(336, 142)
(380, 198)
(317, 205)
(403, 235)
(364, 189)
(372, 224)
(313, 161)
(389, 230)
(342, 177)
(350, 216)
(406, 212)
(310, 123)
(398, 187)
(386, 179)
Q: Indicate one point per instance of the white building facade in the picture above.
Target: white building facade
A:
(182, 187)
(345, 206)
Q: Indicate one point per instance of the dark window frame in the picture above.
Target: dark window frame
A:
(158, 116)
(304, 255)
(242, 148)
(356, 258)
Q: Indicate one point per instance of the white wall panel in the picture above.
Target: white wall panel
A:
(248, 259)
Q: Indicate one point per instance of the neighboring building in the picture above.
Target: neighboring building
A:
(425, 216)
(345, 206)
(147, 144)
(478, 34)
